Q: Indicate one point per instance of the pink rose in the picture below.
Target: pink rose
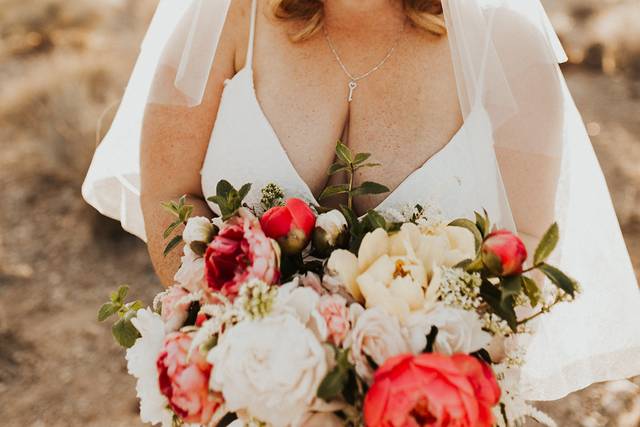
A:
(333, 308)
(184, 380)
(507, 248)
(290, 225)
(432, 390)
(174, 307)
(240, 252)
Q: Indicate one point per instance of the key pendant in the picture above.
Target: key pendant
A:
(352, 86)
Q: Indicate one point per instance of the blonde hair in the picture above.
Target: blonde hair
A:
(424, 14)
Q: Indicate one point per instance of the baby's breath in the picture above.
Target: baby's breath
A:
(256, 298)
(460, 289)
(272, 195)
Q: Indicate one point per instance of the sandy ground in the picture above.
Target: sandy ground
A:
(62, 64)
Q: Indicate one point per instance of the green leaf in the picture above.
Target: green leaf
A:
(361, 158)
(334, 190)
(559, 279)
(122, 293)
(374, 220)
(344, 153)
(511, 286)
(472, 227)
(337, 167)
(503, 308)
(531, 290)
(223, 188)
(482, 224)
(334, 383)
(170, 207)
(369, 187)
(107, 310)
(172, 244)
(547, 244)
(492, 262)
(171, 228)
(244, 190)
(124, 332)
(185, 213)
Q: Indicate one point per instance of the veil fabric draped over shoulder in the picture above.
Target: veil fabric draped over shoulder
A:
(505, 55)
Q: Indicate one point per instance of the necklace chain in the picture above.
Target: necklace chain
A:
(353, 80)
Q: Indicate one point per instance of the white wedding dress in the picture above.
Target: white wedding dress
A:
(499, 74)
(454, 180)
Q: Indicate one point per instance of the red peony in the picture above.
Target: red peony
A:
(432, 390)
(291, 225)
(506, 247)
(184, 380)
(240, 252)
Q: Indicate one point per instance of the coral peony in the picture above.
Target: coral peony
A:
(291, 225)
(432, 390)
(507, 248)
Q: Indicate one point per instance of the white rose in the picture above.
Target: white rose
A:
(459, 331)
(190, 275)
(333, 223)
(377, 335)
(256, 373)
(198, 229)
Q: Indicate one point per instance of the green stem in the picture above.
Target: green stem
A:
(349, 195)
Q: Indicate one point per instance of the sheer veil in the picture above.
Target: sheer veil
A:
(505, 55)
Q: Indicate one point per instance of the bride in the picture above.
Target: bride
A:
(461, 102)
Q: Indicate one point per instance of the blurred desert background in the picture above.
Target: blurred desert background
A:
(63, 67)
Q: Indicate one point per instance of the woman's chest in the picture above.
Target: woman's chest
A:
(402, 112)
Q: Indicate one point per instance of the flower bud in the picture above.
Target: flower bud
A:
(504, 253)
(198, 233)
(331, 232)
(290, 225)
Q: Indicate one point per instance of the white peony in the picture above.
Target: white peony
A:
(198, 229)
(141, 363)
(459, 331)
(190, 275)
(376, 335)
(257, 374)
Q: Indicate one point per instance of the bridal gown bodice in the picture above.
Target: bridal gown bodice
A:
(244, 148)
(461, 178)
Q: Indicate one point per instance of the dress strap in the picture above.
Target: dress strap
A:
(252, 32)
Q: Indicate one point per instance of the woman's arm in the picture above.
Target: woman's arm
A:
(175, 141)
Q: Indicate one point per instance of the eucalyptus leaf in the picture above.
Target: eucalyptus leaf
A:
(559, 279)
(547, 244)
(374, 220)
(472, 227)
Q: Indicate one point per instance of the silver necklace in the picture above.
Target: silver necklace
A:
(353, 80)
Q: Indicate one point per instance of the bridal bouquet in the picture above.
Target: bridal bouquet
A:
(288, 314)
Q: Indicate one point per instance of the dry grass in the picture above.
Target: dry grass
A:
(62, 64)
